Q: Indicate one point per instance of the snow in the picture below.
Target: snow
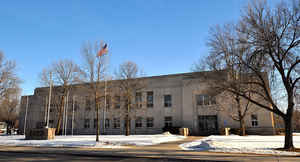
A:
(242, 144)
(105, 141)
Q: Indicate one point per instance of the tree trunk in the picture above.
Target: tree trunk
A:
(127, 133)
(127, 120)
(242, 127)
(60, 116)
(7, 128)
(288, 140)
(241, 117)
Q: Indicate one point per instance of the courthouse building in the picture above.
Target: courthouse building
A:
(178, 100)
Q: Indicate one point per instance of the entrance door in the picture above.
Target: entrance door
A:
(208, 125)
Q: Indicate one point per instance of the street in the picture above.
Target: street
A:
(19, 157)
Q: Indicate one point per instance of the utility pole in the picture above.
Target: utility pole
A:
(26, 115)
(46, 106)
(49, 103)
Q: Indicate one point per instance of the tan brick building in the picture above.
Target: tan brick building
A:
(180, 100)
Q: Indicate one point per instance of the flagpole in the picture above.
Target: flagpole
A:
(73, 114)
(63, 125)
(49, 101)
(26, 115)
(104, 110)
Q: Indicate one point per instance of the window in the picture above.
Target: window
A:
(117, 102)
(87, 103)
(116, 122)
(205, 100)
(107, 123)
(51, 123)
(168, 121)
(168, 100)
(138, 122)
(86, 123)
(76, 106)
(150, 122)
(107, 101)
(95, 123)
(138, 99)
(213, 100)
(199, 99)
(51, 109)
(254, 121)
(150, 99)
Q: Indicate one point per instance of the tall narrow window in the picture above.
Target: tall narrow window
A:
(95, 123)
(206, 99)
(86, 123)
(107, 123)
(116, 122)
(87, 103)
(213, 100)
(168, 121)
(150, 99)
(76, 105)
(138, 99)
(117, 102)
(138, 122)
(199, 99)
(150, 121)
(108, 101)
(168, 100)
(254, 121)
(51, 123)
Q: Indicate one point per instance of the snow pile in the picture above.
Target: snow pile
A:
(167, 133)
(106, 141)
(242, 144)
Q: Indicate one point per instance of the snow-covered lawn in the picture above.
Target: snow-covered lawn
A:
(242, 144)
(106, 141)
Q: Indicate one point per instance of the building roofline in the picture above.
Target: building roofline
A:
(187, 74)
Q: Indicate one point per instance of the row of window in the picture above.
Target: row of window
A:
(116, 123)
(205, 100)
(138, 99)
(200, 100)
(149, 122)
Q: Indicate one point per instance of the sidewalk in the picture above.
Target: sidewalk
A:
(165, 150)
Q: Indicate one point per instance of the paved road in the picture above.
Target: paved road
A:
(162, 152)
(37, 157)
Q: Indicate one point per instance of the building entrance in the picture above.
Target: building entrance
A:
(208, 124)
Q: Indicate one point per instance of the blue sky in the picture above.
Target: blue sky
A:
(161, 36)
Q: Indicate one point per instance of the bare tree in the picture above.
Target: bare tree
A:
(65, 74)
(270, 41)
(8, 107)
(225, 54)
(9, 91)
(8, 77)
(129, 84)
(95, 68)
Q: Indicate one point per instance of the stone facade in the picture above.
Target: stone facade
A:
(180, 100)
